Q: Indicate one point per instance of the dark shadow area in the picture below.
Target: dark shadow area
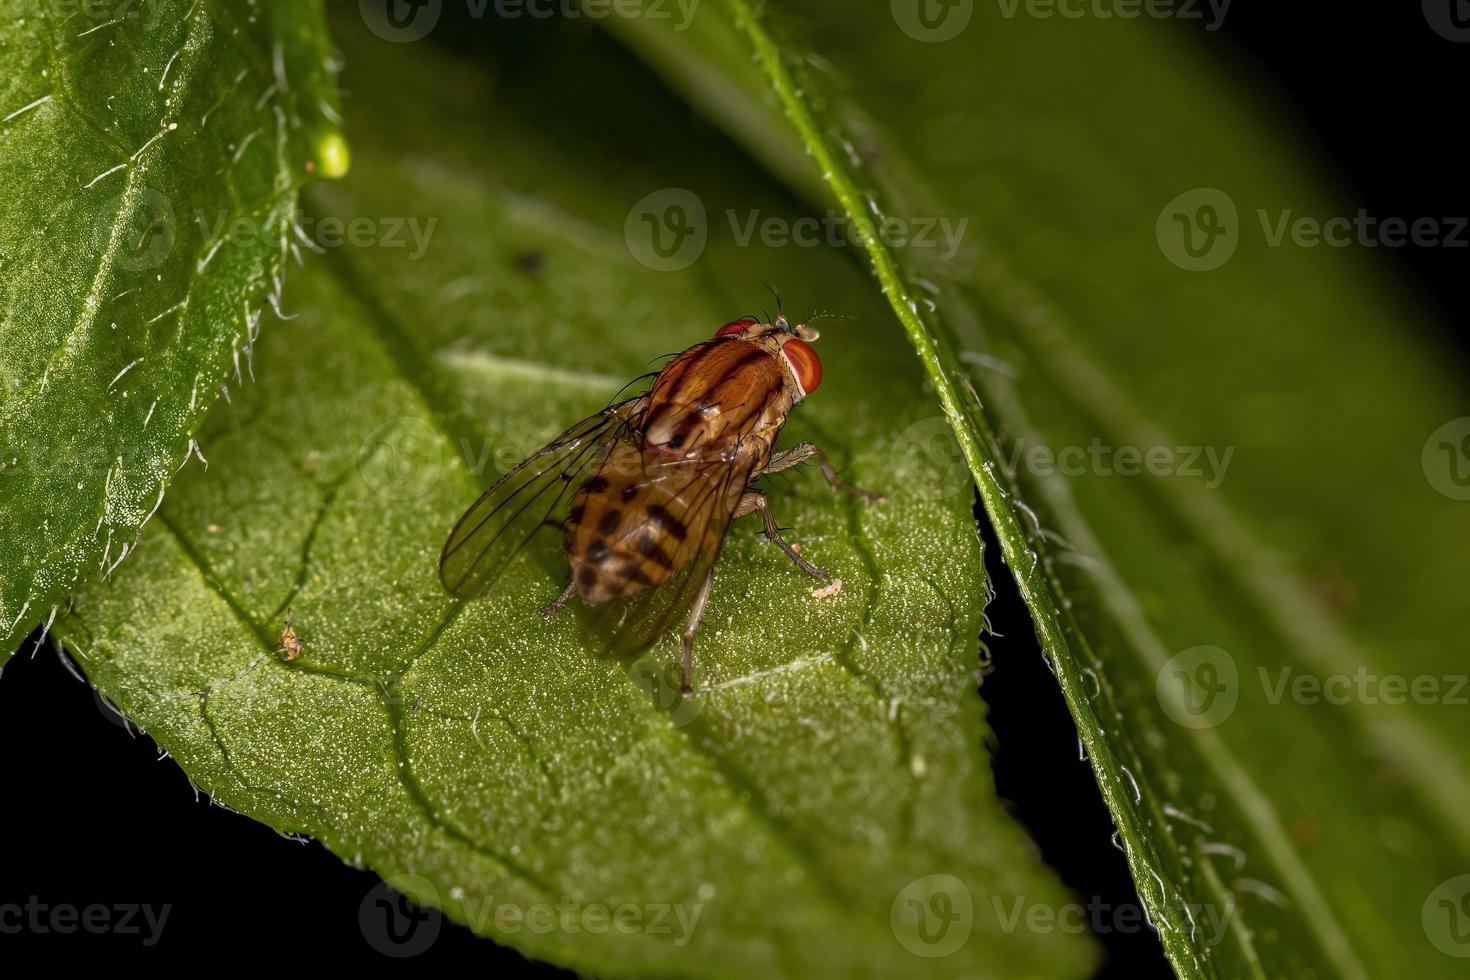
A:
(1049, 788)
(1377, 93)
(98, 829)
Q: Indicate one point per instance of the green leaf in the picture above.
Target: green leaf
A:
(1239, 647)
(828, 783)
(152, 154)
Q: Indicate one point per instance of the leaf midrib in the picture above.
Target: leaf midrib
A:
(93, 300)
(1320, 916)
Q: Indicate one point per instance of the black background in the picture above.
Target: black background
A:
(92, 816)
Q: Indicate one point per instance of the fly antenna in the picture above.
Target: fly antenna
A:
(777, 294)
(780, 320)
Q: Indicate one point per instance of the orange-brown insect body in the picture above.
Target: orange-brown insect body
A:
(643, 492)
(720, 403)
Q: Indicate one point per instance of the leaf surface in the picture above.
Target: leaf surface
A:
(791, 818)
(153, 153)
(1238, 635)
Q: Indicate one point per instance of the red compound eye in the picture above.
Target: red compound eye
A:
(804, 363)
(736, 326)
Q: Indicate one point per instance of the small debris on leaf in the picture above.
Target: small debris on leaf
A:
(828, 591)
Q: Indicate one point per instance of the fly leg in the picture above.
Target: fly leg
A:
(803, 451)
(753, 500)
(561, 600)
(686, 641)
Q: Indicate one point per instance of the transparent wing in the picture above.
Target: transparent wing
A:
(529, 500)
(703, 498)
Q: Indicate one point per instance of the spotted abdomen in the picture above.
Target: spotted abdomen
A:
(629, 528)
(656, 501)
